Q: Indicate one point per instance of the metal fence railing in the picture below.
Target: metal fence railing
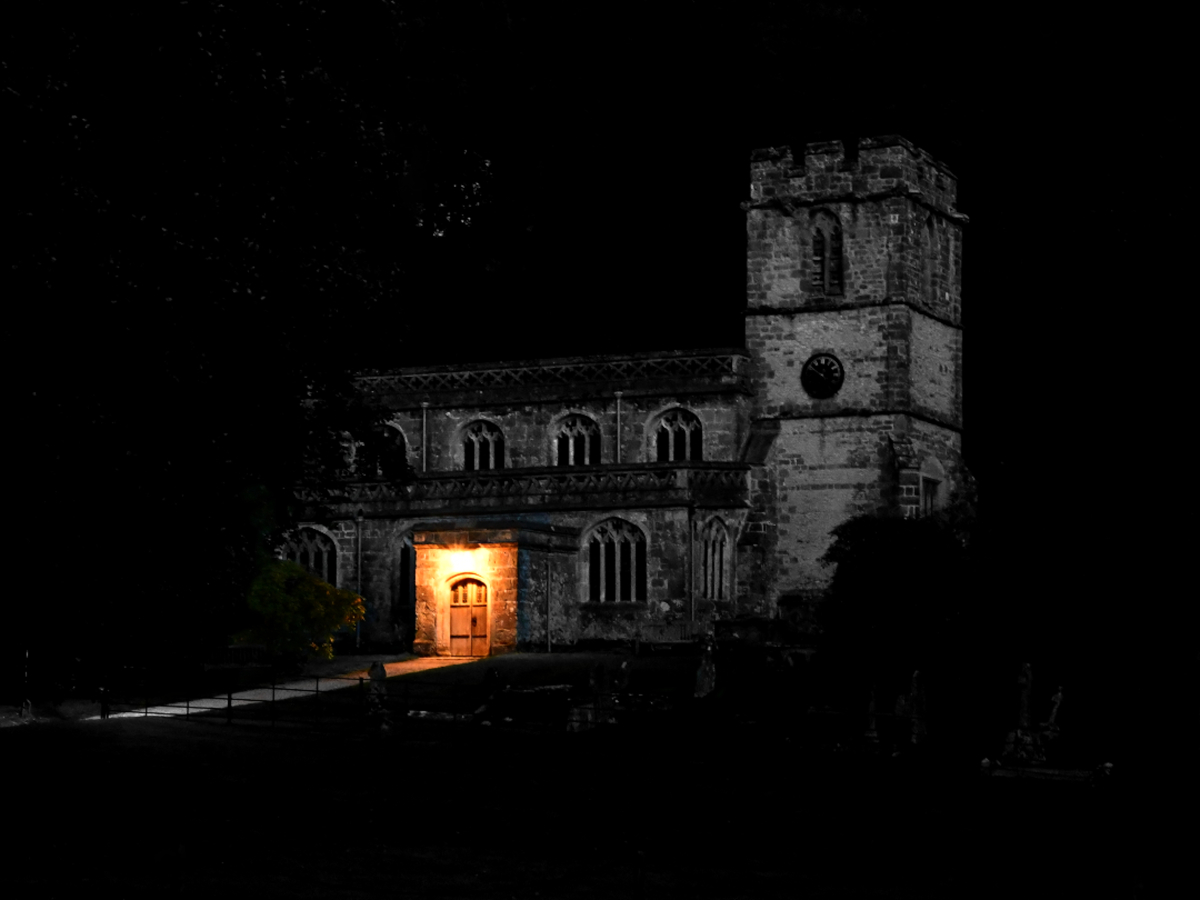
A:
(352, 701)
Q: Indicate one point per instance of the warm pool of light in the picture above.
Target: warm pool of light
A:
(463, 561)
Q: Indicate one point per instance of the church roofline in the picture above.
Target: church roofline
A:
(582, 360)
(687, 370)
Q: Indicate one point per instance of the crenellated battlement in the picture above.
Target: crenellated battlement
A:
(882, 166)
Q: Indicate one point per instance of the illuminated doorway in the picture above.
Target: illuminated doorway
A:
(469, 618)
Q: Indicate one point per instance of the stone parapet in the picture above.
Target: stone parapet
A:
(873, 169)
(616, 486)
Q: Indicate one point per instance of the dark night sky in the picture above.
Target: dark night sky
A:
(158, 157)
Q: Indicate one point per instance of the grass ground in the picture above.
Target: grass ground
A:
(701, 807)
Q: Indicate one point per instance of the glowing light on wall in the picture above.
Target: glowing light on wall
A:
(464, 561)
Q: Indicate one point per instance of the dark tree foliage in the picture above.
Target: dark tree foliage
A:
(295, 614)
(911, 595)
(900, 588)
(221, 215)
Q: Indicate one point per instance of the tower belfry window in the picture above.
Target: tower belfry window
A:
(827, 250)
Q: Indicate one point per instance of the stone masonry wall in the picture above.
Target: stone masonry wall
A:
(887, 200)
(929, 443)
(827, 470)
(779, 271)
(935, 369)
(517, 574)
(780, 344)
(534, 591)
(530, 430)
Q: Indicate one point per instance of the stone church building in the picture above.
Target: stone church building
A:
(645, 495)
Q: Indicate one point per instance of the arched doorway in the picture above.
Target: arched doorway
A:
(469, 633)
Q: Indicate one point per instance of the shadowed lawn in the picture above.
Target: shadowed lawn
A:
(165, 808)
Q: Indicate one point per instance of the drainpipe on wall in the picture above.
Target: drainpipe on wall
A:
(358, 523)
(424, 430)
(691, 564)
(618, 396)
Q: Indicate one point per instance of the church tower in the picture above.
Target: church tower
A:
(854, 333)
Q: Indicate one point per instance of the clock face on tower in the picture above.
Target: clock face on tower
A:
(822, 376)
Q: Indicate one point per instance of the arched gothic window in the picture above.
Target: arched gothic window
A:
(314, 551)
(382, 454)
(483, 447)
(616, 561)
(577, 442)
(827, 259)
(679, 437)
(715, 550)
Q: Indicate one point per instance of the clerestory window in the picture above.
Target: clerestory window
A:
(679, 437)
(577, 442)
(616, 562)
(315, 552)
(483, 447)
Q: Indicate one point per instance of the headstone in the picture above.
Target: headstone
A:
(918, 708)
(1050, 728)
(901, 723)
(1025, 682)
(706, 674)
(871, 734)
(1055, 702)
(377, 710)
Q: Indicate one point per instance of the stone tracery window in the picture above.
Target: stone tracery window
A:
(483, 447)
(315, 552)
(616, 562)
(577, 442)
(827, 259)
(679, 437)
(715, 562)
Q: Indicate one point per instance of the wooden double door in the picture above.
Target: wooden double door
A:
(469, 618)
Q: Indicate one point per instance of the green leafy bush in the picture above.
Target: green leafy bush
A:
(296, 614)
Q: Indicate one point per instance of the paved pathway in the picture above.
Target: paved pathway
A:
(303, 686)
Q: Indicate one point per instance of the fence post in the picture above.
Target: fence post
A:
(229, 707)
(317, 699)
(272, 696)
